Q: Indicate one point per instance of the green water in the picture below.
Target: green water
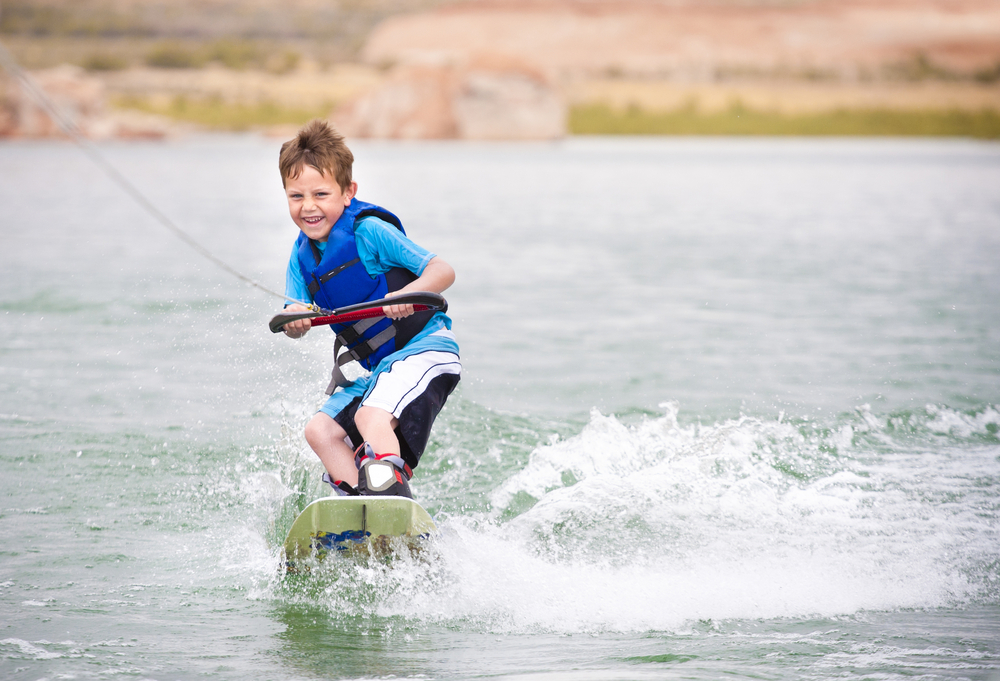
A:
(729, 410)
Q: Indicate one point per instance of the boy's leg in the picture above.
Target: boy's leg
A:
(392, 409)
(381, 469)
(377, 427)
(403, 399)
(326, 438)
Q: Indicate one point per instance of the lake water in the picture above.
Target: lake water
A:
(730, 409)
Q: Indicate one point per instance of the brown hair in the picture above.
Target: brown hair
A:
(320, 146)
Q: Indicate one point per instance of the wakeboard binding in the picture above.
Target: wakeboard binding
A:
(341, 487)
(382, 474)
(378, 475)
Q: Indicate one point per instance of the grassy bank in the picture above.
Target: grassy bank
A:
(221, 115)
(739, 120)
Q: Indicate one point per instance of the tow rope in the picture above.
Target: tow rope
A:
(69, 126)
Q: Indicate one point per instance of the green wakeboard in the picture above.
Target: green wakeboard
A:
(339, 524)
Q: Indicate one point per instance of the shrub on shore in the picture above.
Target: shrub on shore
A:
(600, 119)
(219, 114)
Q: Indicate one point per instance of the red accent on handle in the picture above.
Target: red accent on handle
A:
(358, 316)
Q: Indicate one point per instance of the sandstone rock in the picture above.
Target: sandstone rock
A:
(8, 112)
(479, 102)
(414, 103)
(507, 105)
(80, 98)
(694, 40)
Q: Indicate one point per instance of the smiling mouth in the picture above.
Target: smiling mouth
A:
(313, 220)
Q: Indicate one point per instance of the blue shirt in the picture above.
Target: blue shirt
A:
(380, 247)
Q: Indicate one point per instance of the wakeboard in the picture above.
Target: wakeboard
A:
(338, 524)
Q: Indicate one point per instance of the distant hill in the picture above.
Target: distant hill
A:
(329, 30)
(511, 69)
(706, 40)
(687, 39)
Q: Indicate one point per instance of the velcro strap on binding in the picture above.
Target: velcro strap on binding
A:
(397, 461)
(365, 453)
(346, 487)
(342, 488)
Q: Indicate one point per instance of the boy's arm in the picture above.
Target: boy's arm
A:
(436, 277)
(383, 246)
(295, 288)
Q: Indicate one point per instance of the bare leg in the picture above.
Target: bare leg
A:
(326, 438)
(376, 427)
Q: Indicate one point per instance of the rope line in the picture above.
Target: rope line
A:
(69, 126)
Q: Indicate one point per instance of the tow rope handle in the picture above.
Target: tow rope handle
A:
(422, 301)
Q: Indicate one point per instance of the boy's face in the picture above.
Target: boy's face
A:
(316, 201)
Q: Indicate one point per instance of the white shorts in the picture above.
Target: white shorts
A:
(413, 388)
(407, 379)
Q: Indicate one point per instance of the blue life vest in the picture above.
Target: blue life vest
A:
(336, 277)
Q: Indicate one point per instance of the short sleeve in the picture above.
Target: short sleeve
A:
(382, 247)
(295, 282)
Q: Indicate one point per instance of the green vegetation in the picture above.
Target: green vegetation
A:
(26, 17)
(237, 54)
(221, 115)
(738, 120)
(990, 75)
(233, 54)
(327, 32)
(283, 62)
(922, 68)
(103, 61)
(175, 56)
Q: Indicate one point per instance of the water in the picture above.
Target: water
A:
(730, 409)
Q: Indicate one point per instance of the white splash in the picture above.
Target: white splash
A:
(653, 526)
(656, 525)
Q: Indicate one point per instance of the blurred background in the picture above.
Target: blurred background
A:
(509, 69)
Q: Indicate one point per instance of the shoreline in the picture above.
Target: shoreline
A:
(150, 102)
(616, 107)
(510, 69)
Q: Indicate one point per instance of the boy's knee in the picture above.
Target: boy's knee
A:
(367, 418)
(322, 428)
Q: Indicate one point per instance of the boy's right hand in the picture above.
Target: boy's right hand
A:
(299, 327)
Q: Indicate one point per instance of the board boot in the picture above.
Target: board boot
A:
(343, 489)
(382, 474)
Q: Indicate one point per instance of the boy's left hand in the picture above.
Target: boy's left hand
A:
(436, 277)
(397, 311)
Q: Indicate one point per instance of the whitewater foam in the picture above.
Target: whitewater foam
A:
(654, 525)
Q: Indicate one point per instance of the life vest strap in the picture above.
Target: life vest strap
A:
(351, 334)
(362, 350)
(315, 285)
(357, 353)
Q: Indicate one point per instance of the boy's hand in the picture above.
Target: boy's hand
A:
(437, 276)
(396, 311)
(299, 327)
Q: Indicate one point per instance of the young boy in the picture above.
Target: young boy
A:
(371, 432)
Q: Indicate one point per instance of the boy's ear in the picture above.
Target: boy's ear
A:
(350, 193)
